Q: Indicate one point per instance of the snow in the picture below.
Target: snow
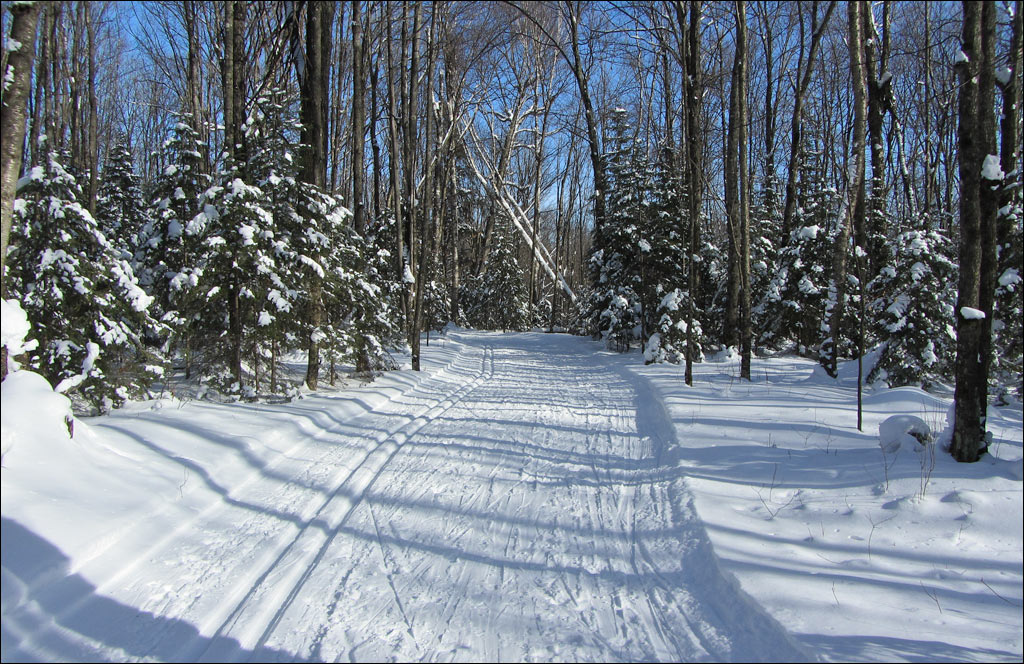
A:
(991, 170)
(970, 313)
(960, 57)
(808, 232)
(526, 496)
(14, 328)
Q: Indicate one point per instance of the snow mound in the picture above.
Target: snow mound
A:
(900, 431)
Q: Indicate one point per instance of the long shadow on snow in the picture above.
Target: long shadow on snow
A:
(33, 602)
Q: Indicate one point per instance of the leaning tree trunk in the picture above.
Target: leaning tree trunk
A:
(12, 126)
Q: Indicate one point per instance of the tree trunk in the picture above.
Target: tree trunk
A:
(313, 110)
(410, 184)
(358, 148)
(582, 84)
(970, 395)
(694, 91)
(796, 142)
(733, 188)
(745, 331)
(93, 147)
(855, 185)
(13, 112)
(871, 236)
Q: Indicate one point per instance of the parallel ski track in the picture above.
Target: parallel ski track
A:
(349, 494)
(347, 486)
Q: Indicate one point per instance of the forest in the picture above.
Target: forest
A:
(204, 188)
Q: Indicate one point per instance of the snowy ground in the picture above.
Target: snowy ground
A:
(527, 497)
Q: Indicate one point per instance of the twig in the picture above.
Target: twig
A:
(872, 533)
(992, 590)
(834, 596)
(184, 481)
(933, 594)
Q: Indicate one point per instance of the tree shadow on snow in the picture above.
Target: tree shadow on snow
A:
(51, 614)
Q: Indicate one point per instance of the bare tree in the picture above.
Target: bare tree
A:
(854, 187)
(800, 93)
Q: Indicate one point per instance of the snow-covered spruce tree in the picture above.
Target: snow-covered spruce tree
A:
(1008, 326)
(664, 271)
(765, 241)
(376, 304)
(502, 297)
(167, 253)
(120, 207)
(85, 305)
(379, 261)
(236, 256)
(668, 342)
(914, 318)
(436, 305)
(360, 318)
(620, 245)
(711, 293)
(793, 305)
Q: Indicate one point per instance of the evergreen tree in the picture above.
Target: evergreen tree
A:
(1008, 326)
(169, 244)
(664, 269)
(793, 306)
(620, 247)
(120, 208)
(500, 299)
(914, 319)
(85, 305)
(765, 241)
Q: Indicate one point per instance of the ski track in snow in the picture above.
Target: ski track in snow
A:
(517, 505)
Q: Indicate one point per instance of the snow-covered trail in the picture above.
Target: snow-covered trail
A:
(520, 504)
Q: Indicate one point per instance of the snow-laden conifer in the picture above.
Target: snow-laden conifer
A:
(86, 307)
(914, 318)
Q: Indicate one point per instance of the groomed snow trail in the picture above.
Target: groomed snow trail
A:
(521, 504)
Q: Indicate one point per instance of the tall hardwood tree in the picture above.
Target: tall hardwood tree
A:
(314, 71)
(852, 207)
(20, 48)
(796, 122)
(737, 323)
(980, 176)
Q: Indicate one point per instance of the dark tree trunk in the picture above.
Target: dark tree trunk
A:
(970, 396)
(694, 90)
(879, 102)
(313, 111)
